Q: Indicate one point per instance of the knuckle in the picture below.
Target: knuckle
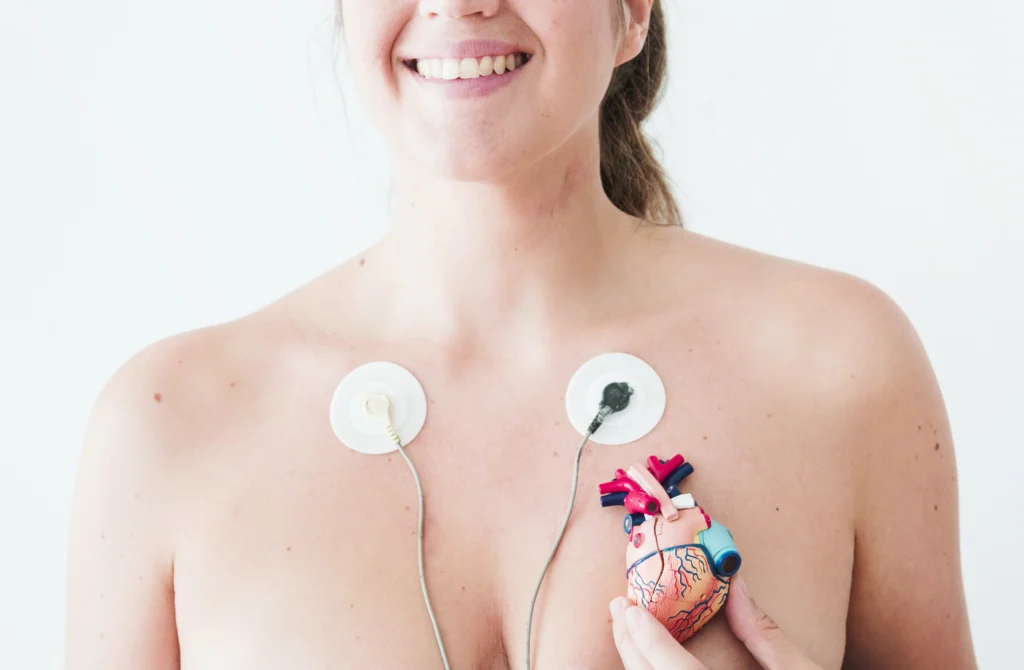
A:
(766, 625)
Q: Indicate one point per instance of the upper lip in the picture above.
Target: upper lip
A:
(466, 49)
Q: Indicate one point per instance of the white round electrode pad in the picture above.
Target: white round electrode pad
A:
(646, 405)
(356, 428)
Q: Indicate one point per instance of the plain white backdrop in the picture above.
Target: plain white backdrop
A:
(165, 166)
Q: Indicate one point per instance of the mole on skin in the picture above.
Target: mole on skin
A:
(158, 397)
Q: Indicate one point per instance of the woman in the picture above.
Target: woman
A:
(219, 523)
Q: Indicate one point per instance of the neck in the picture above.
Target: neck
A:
(501, 267)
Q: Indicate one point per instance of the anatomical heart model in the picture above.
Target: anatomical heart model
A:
(678, 561)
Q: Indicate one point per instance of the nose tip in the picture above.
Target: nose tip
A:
(457, 9)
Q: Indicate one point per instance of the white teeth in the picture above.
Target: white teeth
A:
(450, 68)
(467, 68)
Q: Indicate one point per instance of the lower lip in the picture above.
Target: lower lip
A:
(470, 88)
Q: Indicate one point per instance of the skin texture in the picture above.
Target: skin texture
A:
(218, 523)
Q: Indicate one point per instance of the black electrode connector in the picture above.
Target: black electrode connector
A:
(614, 399)
(616, 396)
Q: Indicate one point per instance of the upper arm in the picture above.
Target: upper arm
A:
(907, 606)
(120, 596)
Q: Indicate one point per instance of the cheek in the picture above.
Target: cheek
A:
(370, 32)
(579, 55)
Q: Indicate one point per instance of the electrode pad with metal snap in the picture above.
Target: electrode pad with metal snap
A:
(357, 428)
(646, 404)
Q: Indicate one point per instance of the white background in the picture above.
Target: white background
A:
(164, 166)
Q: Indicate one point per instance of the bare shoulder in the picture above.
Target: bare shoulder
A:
(837, 331)
(149, 410)
(177, 383)
(191, 384)
(854, 357)
(141, 443)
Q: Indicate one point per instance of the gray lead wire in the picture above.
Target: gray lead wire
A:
(605, 411)
(598, 420)
(423, 578)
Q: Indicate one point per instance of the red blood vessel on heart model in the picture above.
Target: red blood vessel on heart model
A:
(679, 562)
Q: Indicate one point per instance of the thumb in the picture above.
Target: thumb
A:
(758, 631)
(643, 642)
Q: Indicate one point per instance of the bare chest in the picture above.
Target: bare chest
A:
(298, 553)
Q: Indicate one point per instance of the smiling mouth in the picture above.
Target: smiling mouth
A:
(467, 68)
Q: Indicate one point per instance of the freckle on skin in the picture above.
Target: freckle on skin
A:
(776, 509)
(769, 415)
(232, 384)
(158, 397)
(287, 548)
(705, 437)
(936, 508)
(936, 446)
(407, 508)
(362, 262)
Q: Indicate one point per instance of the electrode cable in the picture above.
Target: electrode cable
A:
(615, 399)
(379, 406)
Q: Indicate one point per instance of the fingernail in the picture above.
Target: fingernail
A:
(617, 606)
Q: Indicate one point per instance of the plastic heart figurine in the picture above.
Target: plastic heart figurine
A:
(678, 561)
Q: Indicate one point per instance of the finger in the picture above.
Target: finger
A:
(762, 636)
(656, 644)
(632, 659)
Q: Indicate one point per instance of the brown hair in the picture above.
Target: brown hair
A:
(630, 172)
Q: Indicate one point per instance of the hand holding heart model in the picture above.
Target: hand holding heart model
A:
(678, 561)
